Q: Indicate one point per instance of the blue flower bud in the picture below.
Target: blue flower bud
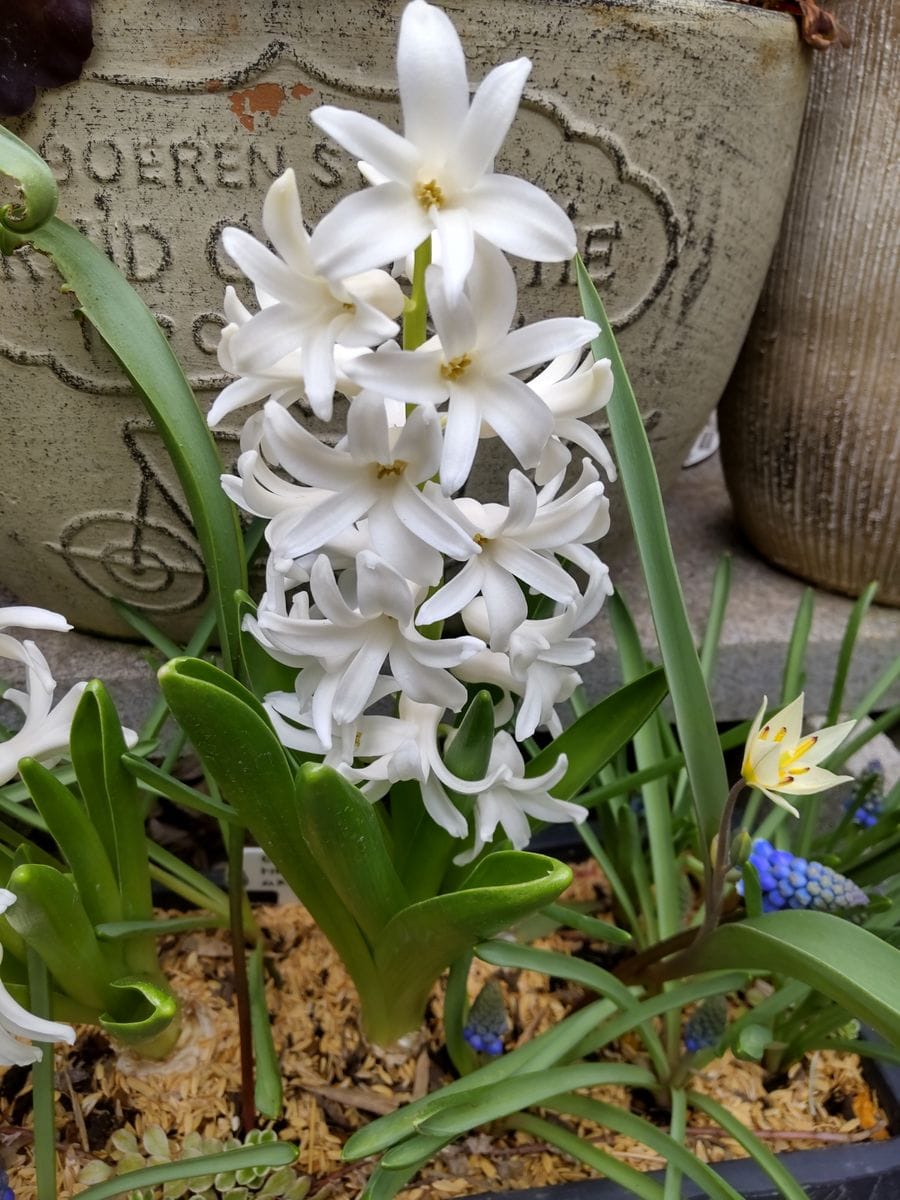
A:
(867, 801)
(487, 1022)
(787, 881)
(6, 1192)
(706, 1024)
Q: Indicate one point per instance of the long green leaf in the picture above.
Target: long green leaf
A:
(136, 339)
(853, 967)
(845, 655)
(97, 746)
(78, 842)
(690, 697)
(161, 783)
(39, 191)
(758, 1151)
(269, 1093)
(600, 733)
(428, 936)
(265, 1154)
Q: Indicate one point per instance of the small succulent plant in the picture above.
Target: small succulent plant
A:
(249, 1183)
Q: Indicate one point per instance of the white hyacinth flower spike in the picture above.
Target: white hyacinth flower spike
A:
(439, 175)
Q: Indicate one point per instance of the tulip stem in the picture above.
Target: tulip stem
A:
(43, 1102)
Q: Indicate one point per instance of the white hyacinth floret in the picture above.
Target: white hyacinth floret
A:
(384, 581)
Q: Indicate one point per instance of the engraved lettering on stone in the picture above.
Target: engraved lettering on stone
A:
(209, 165)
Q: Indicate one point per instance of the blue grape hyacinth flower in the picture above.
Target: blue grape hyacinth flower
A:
(6, 1192)
(867, 800)
(487, 1022)
(787, 881)
(706, 1024)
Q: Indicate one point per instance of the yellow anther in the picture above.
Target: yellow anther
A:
(397, 467)
(780, 735)
(456, 366)
(429, 194)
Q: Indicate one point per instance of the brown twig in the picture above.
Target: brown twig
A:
(791, 1135)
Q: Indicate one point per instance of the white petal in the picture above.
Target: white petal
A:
(460, 440)
(453, 596)
(431, 70)
(359, 678)
(301, 453)
(367, 431)
(19, 1021)
(328, 520)
(517, 416)
(283, 223)
(381, 589)
(401, 549)
(431, 525)
(423, 683)
(453, 317)
(319, 370)
(368, 229)
(492, 289)
(536, 343)
(543, 574)
(442, 810)
(521, 219)
(454, 227)
(378, 289)
(260, 264)
(411, 376)
(26, 616)
(487, 122)
(506, 605)
(392, 155)
(271, 335)
(828, 740)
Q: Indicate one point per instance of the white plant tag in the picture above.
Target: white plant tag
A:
(261, 875)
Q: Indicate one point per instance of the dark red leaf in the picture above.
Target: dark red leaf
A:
(43, 43)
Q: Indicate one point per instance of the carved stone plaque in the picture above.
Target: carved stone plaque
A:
(667, 129)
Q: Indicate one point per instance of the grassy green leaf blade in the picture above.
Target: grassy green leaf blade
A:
(135, 338)
(795, 661)
(643, 1131)
(845, 654)
(161, 783)
(853, 967)
(111, 931)
(631, 1180)
(265, 1154)
(500, 1099)
(690, 698)
(600, 733)
(758, 1151)
(268, 1092)
(456, 1009)
(601, 931)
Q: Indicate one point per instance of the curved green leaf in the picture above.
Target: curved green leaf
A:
(690, 696)
(144, 1013)
(426, 937)
(49, 915)
(110, 795)
(136, 339)
(758, 1150)
(600, 733)
(346, 838)
(78, 841)
(264, 1154)
(38, 186)
(848, 964)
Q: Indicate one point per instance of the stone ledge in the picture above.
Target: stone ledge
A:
(757, 626)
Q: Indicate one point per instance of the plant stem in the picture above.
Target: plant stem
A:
(677, 1127)
(241, 984)
(44, 1105)
(415, 310)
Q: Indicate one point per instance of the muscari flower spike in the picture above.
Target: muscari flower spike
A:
(868, 796)
(787, 881)
(487, 1021)
(706, 1024)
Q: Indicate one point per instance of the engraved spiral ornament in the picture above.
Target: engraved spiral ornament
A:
(810, 423)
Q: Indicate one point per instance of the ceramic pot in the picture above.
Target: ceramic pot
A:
(810, 422)
(668, 128)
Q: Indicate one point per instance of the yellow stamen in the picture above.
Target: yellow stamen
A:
(764, 733)
(780, 735)
(429, 194)
(480, 539)
(348, 307)
(397, 467)
(456, 366)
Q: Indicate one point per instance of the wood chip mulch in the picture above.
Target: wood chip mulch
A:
(335, 1082)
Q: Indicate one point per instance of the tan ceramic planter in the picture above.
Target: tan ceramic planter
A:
(811, 420)
(668, 126)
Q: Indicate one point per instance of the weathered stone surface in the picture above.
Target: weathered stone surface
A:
(667, 126)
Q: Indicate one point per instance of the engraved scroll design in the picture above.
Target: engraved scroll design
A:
(148, 557)
(571, 131)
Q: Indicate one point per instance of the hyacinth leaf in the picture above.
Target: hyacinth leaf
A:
(49, 915)
(549, 1047)
(618, 1119)
(39, 191)
(110, 794)
(499, 1100)
(690, 697)
(428, 936)
(600, 931)
(161, 783)
(268, 1092)
(430, 848)
(345, 836)
(263, 1154)
(144, 1016)
(752, 890)
(846, 963)
(78, 842)
(238, 746)
(135, 338)
(845, 655)
(600, 733)
(752, 1042)
(758, 1151)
